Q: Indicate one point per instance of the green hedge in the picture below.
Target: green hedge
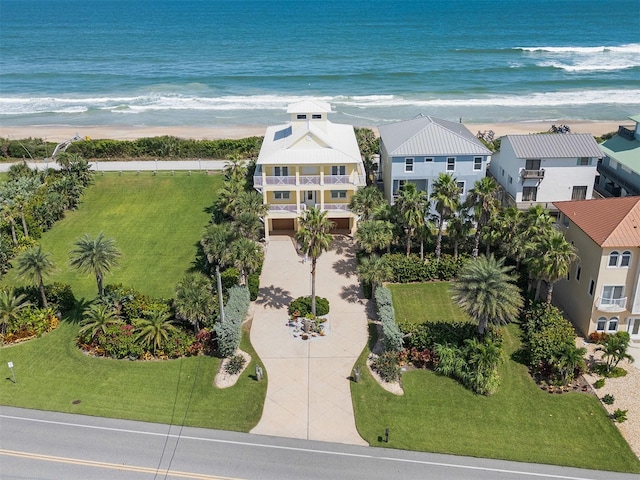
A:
(393, 336)
(229, 332)
(303, 306)
(412, 269)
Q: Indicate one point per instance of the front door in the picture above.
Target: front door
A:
(634, 328)
(310, 198)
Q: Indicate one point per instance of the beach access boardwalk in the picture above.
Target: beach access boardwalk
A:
(135, 166)
(309, 394)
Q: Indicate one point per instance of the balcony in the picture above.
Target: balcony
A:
(527, 174)
(335, 207)
(626, 132)
(287, 208)
(611, 304)
(308, 180)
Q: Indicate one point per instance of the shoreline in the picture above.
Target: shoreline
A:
(59, 133)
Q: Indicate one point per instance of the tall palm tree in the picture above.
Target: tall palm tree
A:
(97, 318)
(10, 306)
(246, 255)
(374, 270)
(247, 224)
(374, 235)
(8, 211)
(154, 328)
(446, 196)
(365, 202)
(214, 242)
(486, 292)
(97, 255)
(552, 260)
(314, 237)
(194, 299)
(34, 265)
(483, 201)
(411, 205)
(459, 228)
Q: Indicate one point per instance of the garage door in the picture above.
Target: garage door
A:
(282, 224)
(340, 224)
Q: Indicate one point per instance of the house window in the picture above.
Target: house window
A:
(532, 164)
(461, 188)
(612, 326)
(451, 164)
(529, 194)
(625, 260)
(578, 272)
(611, 294)
(477, 163)
(613, 259)
(601, 324)
(582, 161)
(338, 194)
(316, 116)
(408, 165)
(301, 116)
(510, 180)
(428, 159)
(579, 193)
(564, 219)
(338, 170)
(281, 171)
(502, 171)
(592, 286)
(281, 195)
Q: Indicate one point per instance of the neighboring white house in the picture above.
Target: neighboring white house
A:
(544, 168)
(620, 168)
(418, 150)
(306, 162)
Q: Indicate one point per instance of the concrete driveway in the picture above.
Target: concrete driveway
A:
(309, 395)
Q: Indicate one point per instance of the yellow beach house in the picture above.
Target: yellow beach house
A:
(602, 291)
(308, 162)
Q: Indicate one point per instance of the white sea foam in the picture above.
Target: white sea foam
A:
(588, 66)
(628, 48)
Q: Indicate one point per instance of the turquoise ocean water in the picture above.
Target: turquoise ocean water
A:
(240, 62)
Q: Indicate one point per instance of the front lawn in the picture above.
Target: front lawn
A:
(520, 422)
(156, 221)
(53, 374)
(425, 302)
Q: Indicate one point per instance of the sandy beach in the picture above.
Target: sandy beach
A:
(58, 133)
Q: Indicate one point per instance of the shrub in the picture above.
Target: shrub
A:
(118, 341)
(598, 337)
(229, 278)
(386, 365)
(253, 283)
(62, 295)
(235, 364)
(303, 305)
(392, 335)
(608, 399)
(599, 383)
(31, 321)
(428, 334)
(620, 415)
(229, 332)
(412, 269)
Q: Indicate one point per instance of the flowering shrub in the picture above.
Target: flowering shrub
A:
(31, 322)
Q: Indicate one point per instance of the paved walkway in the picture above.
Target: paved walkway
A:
(309, 394)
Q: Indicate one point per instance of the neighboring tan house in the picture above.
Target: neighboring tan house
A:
(544, 168)
(602, 292)
(418, 150)
(620, 168)
(308, 162)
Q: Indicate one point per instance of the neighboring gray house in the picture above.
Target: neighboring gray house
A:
(620, 168)
(540, 169)
(418, 150)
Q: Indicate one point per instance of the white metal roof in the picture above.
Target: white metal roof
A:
(554, 145)
(309, 106)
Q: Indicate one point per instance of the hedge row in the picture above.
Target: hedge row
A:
(229, 332)
(413, 269)
(393, 337)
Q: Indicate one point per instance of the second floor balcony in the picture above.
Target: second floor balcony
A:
(526, 174)
(607, 304)
(260, 181)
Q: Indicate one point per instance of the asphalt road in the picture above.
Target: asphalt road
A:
(48, 445)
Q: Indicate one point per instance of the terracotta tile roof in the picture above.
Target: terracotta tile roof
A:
(610, 222)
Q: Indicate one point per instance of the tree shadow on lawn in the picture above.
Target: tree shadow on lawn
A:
(75, 314)
(274, 297)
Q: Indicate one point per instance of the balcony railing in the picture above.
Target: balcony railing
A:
(532, 173)
(335, 207)
(612, 304)
(288, 208)
(303, 180)
(626, 132)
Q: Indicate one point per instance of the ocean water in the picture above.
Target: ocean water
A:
(240, 62)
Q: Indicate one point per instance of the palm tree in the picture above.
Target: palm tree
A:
(568, 359)
(194, 299)
(228, 197)
(459, 228)
(154, 328)
(614, 349)
(97, 318)
(552, 260)
(247, 224)
(34, 265)
(483, 201)
(10, 306)
(486, 292)
(96, 255)
(246, 255)
(366, 201)
(314, 237)
(8, 212)
(446, 196)
(374, 235)
(411, 205)
(214, 243)
(374, 270)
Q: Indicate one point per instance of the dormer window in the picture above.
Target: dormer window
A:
(301, 116)
(316, 116)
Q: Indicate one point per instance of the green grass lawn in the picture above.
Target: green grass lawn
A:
(53, 374)
(156, 221)
(520, 422)
(425, 302)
